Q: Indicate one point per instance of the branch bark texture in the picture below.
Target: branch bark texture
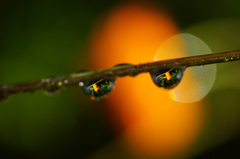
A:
(126, 70)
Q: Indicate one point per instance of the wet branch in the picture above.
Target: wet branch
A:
(127, 70)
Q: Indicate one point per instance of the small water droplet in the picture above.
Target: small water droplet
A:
(3, 97)
(81, 84)
(98, 89)
(51, 88)
(65, 81)
(60, 84)
(121, 65)
(167, 79)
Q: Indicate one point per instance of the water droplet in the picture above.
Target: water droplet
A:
(167, 79)
(59, 84)
(98, 89)
(197, 81)
(3, 97)
(51, 88)
(65, 81)
(81, 84)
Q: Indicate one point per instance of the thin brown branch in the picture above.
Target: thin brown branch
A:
(128, 70)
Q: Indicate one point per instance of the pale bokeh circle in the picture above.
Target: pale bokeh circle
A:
(197, 81)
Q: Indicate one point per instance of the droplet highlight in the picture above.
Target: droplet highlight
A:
(167, 79)
(197, 81)
(98, 89)
(121, 65)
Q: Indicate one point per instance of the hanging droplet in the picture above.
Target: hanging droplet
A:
(52, 88)
(167, 79)
(98, 89)
(3, 97)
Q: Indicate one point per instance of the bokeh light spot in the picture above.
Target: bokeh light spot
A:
(197, 81)
(152, 123)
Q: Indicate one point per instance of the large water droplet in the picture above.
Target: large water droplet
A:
(98, 89)
(197, 81)
(167, 79)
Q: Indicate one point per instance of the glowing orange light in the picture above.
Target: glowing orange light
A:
(154, 124)
(95, 87)
(168, 75)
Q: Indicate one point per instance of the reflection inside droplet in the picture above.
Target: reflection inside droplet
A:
(98, 89)
(167, 79)
(197, 81)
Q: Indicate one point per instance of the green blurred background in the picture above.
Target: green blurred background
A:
(39, 39)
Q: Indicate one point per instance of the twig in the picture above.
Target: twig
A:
(127, 70)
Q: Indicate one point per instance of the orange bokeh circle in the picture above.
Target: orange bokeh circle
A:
(154, 124)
